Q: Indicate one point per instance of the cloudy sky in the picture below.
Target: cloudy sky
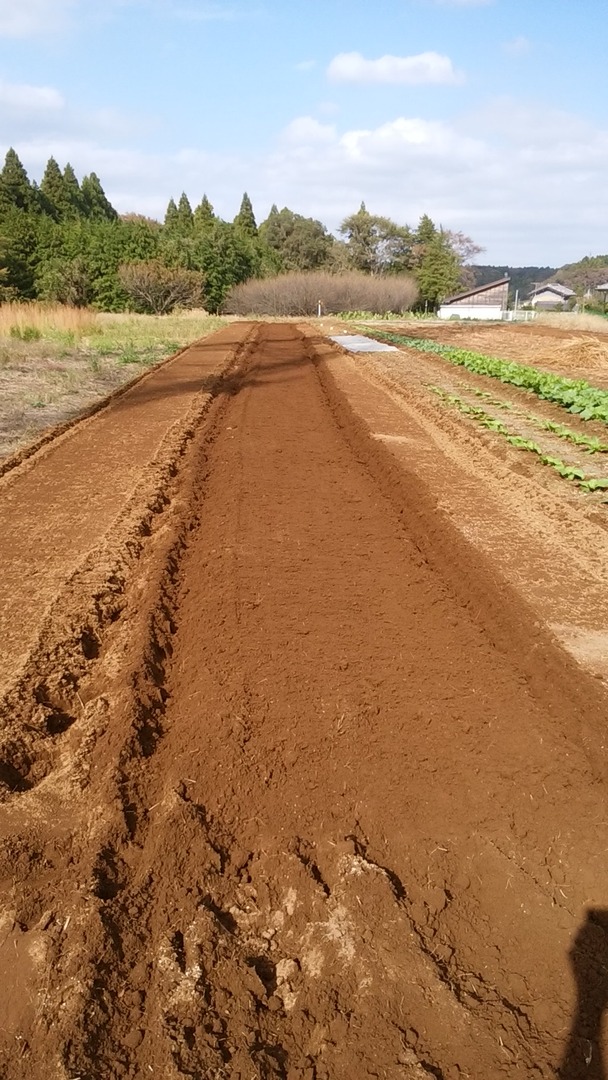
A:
(489, 115)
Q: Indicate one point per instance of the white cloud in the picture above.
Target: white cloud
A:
(29, 18)
(518, 46)
(23, 98)
(526, 181)
(33, 18)
(425, 68)
(523, 197)
(41, 112)
(408, 138)
(306, 131)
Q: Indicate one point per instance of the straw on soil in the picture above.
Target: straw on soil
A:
(583, 352)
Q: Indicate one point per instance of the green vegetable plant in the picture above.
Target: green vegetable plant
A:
(589, 443)
(567, 472)
(575, 395)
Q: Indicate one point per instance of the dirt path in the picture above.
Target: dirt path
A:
(328, 812)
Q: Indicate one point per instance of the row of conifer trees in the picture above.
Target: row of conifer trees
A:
(62, 240)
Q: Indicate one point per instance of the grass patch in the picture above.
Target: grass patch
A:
(55, 361)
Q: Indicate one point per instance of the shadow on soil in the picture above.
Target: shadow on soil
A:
(214, 384)
(589, 960)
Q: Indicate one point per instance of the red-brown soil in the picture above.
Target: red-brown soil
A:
(297, 782)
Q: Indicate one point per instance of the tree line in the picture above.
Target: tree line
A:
(62, 240)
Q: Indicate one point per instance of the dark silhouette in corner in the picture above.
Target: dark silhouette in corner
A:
(583, 1056)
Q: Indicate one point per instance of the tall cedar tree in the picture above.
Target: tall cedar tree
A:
(53, 191)
(204, 215)
(426, 231)
(185, 218)
(171, 215)
(95, 203)
(438, 272)
(73, 196)
(245, 219)
(15, 189)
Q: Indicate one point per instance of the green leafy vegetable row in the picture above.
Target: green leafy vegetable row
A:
(589, 443)
(568, 472)
(575, 395)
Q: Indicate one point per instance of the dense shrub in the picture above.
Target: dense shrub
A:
(299, 294)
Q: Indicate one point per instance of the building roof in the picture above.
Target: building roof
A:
(553, 286)
(477, 291)
(602, 288)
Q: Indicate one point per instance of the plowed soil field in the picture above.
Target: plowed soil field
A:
(302, 743)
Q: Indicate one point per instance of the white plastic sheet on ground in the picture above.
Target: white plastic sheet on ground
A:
(359, 343)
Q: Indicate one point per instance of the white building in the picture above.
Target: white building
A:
(550, 296)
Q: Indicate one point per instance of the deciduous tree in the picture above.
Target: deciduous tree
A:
(376, 244)
(68, 282)
(156, 289)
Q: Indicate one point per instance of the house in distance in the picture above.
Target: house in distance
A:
(550, 297)
(484, 302)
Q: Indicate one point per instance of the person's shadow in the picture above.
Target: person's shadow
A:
(583, 1056)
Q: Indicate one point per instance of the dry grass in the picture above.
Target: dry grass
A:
(74, 358)
(17, 319)
(569, 320)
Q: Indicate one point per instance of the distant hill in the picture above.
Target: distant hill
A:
(585, 274)
(523, 278)
(580, 276)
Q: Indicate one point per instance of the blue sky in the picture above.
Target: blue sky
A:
(490, 115)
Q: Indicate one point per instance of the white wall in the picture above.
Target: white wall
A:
(471, 311)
